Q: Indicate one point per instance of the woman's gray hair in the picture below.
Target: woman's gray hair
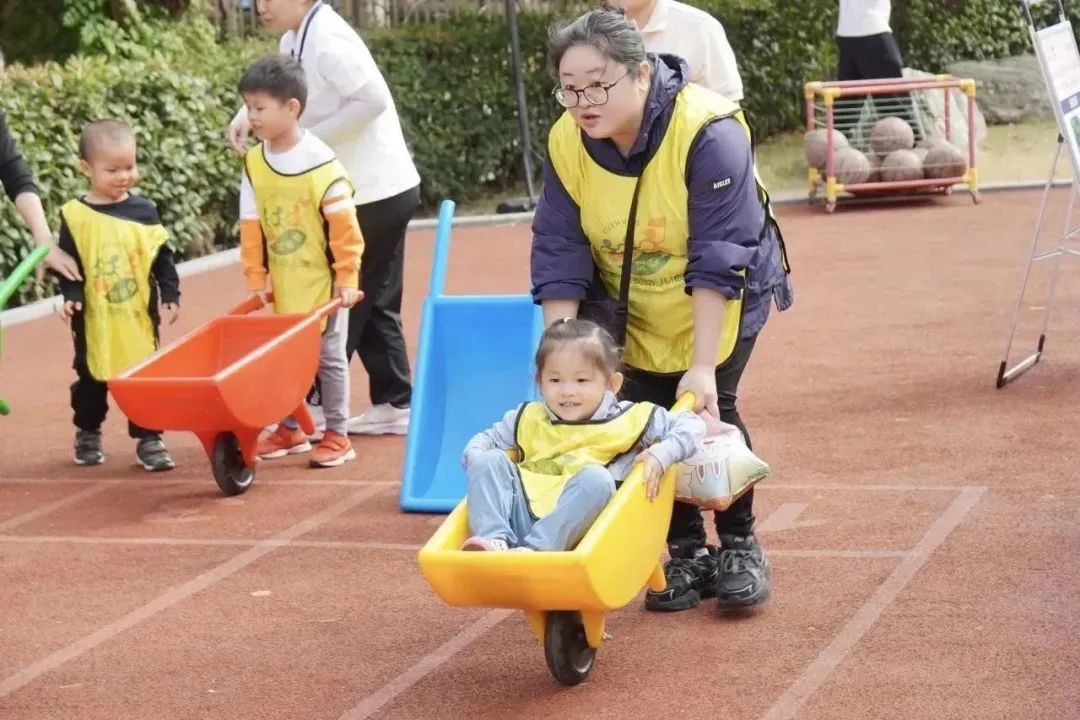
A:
(609, 32)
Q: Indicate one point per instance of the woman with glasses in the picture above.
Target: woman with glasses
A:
(641, 147)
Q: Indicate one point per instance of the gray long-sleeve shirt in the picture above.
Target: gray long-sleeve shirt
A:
(669, 437)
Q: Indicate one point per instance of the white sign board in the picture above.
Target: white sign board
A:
(1060, 58)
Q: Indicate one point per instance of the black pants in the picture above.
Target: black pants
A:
(686, 520)
(90, 396)
(869, 58)
(375, 332)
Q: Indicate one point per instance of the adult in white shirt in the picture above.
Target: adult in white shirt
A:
(350, 109)
(864, 38)
(674, 28)
(868, 51)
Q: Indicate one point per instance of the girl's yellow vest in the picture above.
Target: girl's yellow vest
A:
(551, 452)
(117, 255)
(290, 212)
(660, 332)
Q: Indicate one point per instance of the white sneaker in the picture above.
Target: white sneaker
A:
(381, 420)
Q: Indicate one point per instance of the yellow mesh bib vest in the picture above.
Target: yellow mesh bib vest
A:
(660, 332)
(116, 255)
(553, 452)
(290, 212)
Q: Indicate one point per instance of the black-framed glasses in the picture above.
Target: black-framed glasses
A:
(595, 94)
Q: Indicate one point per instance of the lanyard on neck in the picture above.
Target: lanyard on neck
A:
(299, 55)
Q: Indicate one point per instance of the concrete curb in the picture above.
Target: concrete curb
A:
(207, 263)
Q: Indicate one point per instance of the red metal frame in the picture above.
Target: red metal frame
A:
(830, 91)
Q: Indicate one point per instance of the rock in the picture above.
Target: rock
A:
(1009, 90)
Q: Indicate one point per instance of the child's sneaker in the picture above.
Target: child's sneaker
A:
(486, 544)
(334, 450)
(88, 448)
(283, 441)
(153, 455)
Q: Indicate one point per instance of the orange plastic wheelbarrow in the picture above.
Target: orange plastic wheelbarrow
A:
(226, 381)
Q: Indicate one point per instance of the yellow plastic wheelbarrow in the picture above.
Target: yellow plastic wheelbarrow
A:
(564, 595)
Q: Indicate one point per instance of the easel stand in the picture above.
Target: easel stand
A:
(1062, 249)
(1055, 46)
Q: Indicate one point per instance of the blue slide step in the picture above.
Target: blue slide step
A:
(475, 362)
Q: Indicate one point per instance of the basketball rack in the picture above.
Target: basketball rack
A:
(851, 107)
(1055, 46)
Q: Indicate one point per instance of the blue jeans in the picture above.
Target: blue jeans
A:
(498, 507)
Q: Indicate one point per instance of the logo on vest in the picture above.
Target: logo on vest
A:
(112, 279)
(721, 184)
(650, 255)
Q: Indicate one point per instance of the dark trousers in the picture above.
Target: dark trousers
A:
(90, 396)
(686, 520)
(375, 332)
(869, 58)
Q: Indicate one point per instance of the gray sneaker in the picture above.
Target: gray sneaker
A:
(88, 448)
(153, 455)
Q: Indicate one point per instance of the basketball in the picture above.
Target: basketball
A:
(901, 165)
(816, 147)
(851, 166)
(891, 133)
(944, 160)
(875, 168)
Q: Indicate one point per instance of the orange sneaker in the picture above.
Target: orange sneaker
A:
(283, 441)
(334, 450)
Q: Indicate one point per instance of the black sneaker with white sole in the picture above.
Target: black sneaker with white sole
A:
(88, 448)
(690, 578)
(745, 578)
(153, 455)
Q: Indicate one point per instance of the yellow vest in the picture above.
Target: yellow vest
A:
(660, 332)
(290, 212)
(116, 255)
(551, 452)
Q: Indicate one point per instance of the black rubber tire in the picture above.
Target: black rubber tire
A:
(231, 474)
(568, 655)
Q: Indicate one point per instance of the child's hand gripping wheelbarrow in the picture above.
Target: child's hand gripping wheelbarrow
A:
(12, 283)
(228, 380)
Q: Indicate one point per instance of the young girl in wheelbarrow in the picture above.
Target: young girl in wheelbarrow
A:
(572, 449)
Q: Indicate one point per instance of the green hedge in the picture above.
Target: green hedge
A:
(179, 107)
(452, 86)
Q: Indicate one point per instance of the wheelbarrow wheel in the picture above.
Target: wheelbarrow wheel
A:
(568, 655)
(231, 473)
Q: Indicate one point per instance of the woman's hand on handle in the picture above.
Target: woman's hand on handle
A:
(701, 381)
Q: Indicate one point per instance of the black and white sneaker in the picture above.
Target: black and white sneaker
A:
(153, 455)
(690, 577)
(88, 448)
(745, 578)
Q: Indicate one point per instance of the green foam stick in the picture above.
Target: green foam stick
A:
(12, 283)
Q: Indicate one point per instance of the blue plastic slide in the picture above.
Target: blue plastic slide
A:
(475, 362)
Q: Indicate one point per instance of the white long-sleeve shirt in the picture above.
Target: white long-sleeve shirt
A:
(859, 18)
(349, 106)
(696, 36)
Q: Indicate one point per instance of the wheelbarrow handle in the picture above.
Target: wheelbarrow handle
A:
(251, 304)
(684, 402)
(257, 302)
